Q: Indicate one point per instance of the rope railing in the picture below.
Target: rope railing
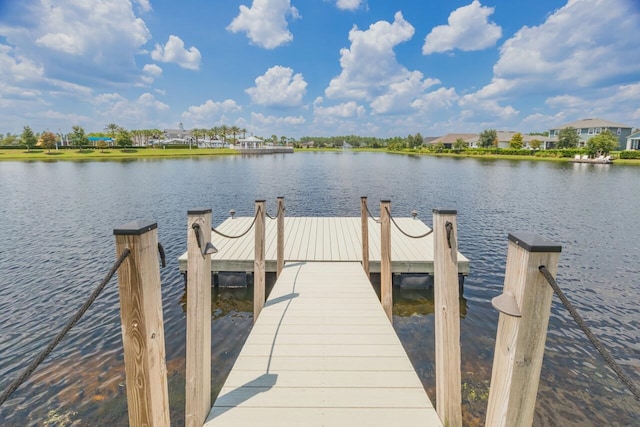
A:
(277, 213)
(411, 236)
(369, 213)
(244, 233)
(633, 388)
(38, 360)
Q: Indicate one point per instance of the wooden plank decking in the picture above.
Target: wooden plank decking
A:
(325, 239)
(322, 353)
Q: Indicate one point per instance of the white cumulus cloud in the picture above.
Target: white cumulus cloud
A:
(278, 86)
(438, 99)
(468, 29)
(78, 41)
(209, 112)
(150, 73)
(139, 113)
(572, 57)
(575, 47)
(348, 4)
(144, 5)
(174, 51)
(265, 22)
(371, 72)
(262, 120)
(346, 110)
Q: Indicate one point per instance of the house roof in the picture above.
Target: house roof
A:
(450, 138)
(634, 135)
(592, 123)
(428, 139)
(506, 135)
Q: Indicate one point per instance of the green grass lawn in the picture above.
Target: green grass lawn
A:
(112, 153)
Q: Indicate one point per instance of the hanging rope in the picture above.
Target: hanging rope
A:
(219, 233)
(405, 233)
(32, 367)
(587, 331)
(269, 216)
(366, 206)
(280, 210)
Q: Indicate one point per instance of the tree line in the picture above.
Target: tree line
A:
(568, 138)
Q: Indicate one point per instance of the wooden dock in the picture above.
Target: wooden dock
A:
(324, 239)
(322, 353)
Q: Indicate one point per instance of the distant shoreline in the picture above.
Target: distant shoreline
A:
(173, 153)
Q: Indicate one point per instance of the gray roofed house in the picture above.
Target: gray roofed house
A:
(633, 141)
(427, 139)
(505, 136)
(587, 128)
(448, 139)
(178, 135)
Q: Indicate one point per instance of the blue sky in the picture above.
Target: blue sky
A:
(318, 67)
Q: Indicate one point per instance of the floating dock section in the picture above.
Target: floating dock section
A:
(324, 239)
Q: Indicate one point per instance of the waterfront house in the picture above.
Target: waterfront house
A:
(588, 128)
(633, 141)
(449, 139)
(178, 136)
(504, 139)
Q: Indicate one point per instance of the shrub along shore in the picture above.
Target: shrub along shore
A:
(111, 153)
(21, 154)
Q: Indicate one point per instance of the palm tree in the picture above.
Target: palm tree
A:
(244, 133)
(224, 131)
(197, 133)
(211, 133)
(112, 129)
(234, 131)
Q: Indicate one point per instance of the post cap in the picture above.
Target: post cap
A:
(533, 242)
(280, 197)
(385, 201)
(135, 228)
(445, 211)
(261, 201)
(198, 211)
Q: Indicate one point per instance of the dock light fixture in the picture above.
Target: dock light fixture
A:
(414, 214)
(208, 249)
(506, 303)
(232, 212)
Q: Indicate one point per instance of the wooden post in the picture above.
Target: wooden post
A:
(365, 234)
(447, 317)
(142, 325)
(520, 340)
(280, 248)
(198, 351)
(258, 263)
(386, 291)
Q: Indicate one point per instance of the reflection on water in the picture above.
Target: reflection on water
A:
(51, 214)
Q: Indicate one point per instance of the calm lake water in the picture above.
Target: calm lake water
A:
(57, 219)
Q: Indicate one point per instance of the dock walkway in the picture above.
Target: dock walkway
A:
(324, 239)
(322, 353)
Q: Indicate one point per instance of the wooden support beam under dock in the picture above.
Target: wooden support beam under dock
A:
(323, 353)
(324, 239)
